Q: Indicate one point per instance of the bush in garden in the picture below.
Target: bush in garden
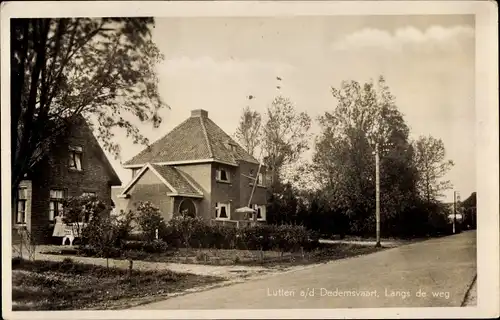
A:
(26, 243)
(217, 236)
(229, 236)
(291, 237)
(185, 231)
(105, 235)
(258, 237)
(155, 246)
(80, 210)
(123, 224)
(171, 236)
(150, 219)
(203, 234)
(182, 229)
(100, 237)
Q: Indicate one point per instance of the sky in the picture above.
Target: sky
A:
(428, 61)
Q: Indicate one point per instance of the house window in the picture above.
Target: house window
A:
(89, 194)
(21, 206)
(222, 211)
(261, 212)
(231, 146)
(55, 204)
(222, 175)
(75, 158)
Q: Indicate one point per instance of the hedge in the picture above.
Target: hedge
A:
(197, 233)
(111, 236)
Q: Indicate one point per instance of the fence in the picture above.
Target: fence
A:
(235, 223)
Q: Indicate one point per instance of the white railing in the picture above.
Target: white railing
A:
(235, 223)
(72, 231)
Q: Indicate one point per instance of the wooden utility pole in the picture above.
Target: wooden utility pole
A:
(255, 180)
(454, 210)
(377, 193)
(456, 198)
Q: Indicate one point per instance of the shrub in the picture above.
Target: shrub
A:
(215, 236)
(78, 210)
(123, 224)
(150, 219)
(155, 246)
(105, 235)
(17, 261)
(26, 243)
(201, 256)
(182, 230)
(258, 237)
(185, 231)
(67, 261)
(136, 236)
(236, 260)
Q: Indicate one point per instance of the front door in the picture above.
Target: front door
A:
(187, 208)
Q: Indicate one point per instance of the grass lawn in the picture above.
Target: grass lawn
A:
(49, 285)
(326, 252)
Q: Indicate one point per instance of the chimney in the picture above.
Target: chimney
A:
(199, 113)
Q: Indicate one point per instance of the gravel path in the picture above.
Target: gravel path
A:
(234, 272)
(385, 243)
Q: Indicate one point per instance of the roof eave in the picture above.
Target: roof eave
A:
(176, 194)
(167, 163)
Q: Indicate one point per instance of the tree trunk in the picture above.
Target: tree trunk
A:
(24, 151)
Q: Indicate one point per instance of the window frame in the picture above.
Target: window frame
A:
(22, 221)
(22, 197)
(89, 194)
(263, 213)
(227, 206)
(74, 153)
(218, 176)
(56, 201)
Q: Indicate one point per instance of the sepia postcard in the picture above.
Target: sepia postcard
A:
(249, 159)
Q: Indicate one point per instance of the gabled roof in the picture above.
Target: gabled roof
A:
(197, 139)
(67, 127)
(176, 182)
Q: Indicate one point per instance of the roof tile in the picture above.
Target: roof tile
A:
(176, 179)
(197, 138)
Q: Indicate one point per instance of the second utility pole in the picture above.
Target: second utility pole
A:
(377, 194)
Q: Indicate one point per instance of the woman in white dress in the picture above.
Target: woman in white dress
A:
(58, 227)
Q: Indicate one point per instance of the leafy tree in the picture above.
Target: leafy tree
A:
(105, 235)
(150, 220)
(102, 69)
(249, 131)
(283, 205)
(365, 118)
(432, 166)
(285, 137)
(80, 210)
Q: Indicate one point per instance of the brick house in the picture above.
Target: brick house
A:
(75, 165)
(196, 169)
